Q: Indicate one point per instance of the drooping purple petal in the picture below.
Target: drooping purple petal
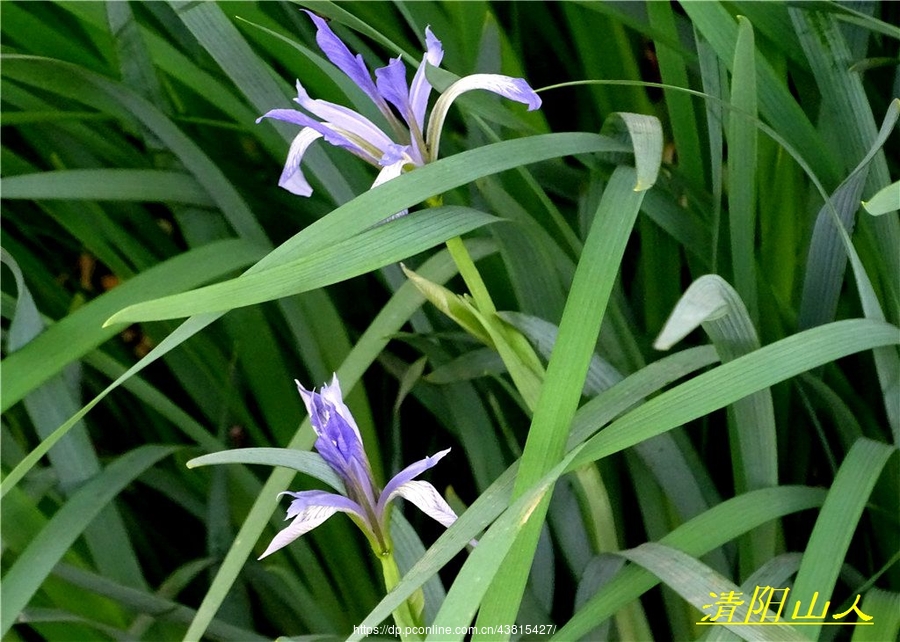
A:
(391, 82)
(410, 472)
(309, 509)
(292, 178)
(429, 501)
(420, 88)
(299, 118)
(342, 58)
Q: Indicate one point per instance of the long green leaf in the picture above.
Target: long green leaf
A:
(300, 460)
(75, 461)
(148, 603)
(718, 525)
(836, 524)
(842, 90)
(884, 608)
(568, 365)
(107, 184)
(93, 89)
(742, 158)
(363, 253)
(736, 379)
(775, 101)
(715, 305)
(696, 583)
(37, 561)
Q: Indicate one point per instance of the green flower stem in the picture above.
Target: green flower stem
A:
(471, 276)
(407, 616)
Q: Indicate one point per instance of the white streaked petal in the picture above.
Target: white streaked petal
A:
(508, 87)
(292, 178)
(429, 501)
(345, 119)
(407, 474)
(390, 171)
(311, 508)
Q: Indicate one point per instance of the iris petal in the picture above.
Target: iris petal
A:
(391, 81)
(393, 170)
(332, 393)
(339, 442)
(420, 88)
(342, 58)
(410, 472)
(365, 133)
(299, 118)
(508, 87)
(292, 178)
(428, 500)
(309, 509)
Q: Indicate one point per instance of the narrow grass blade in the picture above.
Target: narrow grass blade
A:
(409, 550)
(715, 305)
(884, 607)
(600, 375)
(300, 460)
(734, 380)
(107, 184)
(673, 69)
(31, 567)
(363, 253)
(825, 267)
(718, 525)
(697, 583)
(75, 461)
(742, 159)
(149, 603)
(842, 90)
(826, 260)
(885, 201)
(715, 81)
(568, 365)
(836, 524)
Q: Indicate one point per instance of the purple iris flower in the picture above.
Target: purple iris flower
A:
(411, 145)
(339, 443)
